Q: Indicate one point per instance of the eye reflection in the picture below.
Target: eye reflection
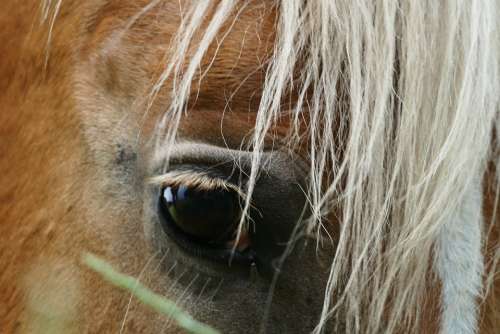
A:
(210, 216)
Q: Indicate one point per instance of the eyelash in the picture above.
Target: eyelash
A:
(202, 179)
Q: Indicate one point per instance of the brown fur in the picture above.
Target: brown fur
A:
(59, 137)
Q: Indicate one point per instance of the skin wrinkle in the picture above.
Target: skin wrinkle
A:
(77, 132)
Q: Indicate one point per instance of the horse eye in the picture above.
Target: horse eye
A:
(209, 216)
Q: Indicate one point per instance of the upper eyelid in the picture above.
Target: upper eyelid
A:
(195, 179)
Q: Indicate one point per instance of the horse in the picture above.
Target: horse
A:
(269, 166)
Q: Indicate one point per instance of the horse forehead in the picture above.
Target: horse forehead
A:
(232, 69)
(124, 59)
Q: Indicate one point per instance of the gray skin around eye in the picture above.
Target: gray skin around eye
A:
(275, 293)
(279, 201)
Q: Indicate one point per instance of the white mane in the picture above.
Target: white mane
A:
(420, 79)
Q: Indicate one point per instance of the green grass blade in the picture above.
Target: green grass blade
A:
(146, 296)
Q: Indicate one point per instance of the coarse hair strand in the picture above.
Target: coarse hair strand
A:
(421, 83)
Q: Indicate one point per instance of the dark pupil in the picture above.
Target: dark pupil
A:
(208, 215)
